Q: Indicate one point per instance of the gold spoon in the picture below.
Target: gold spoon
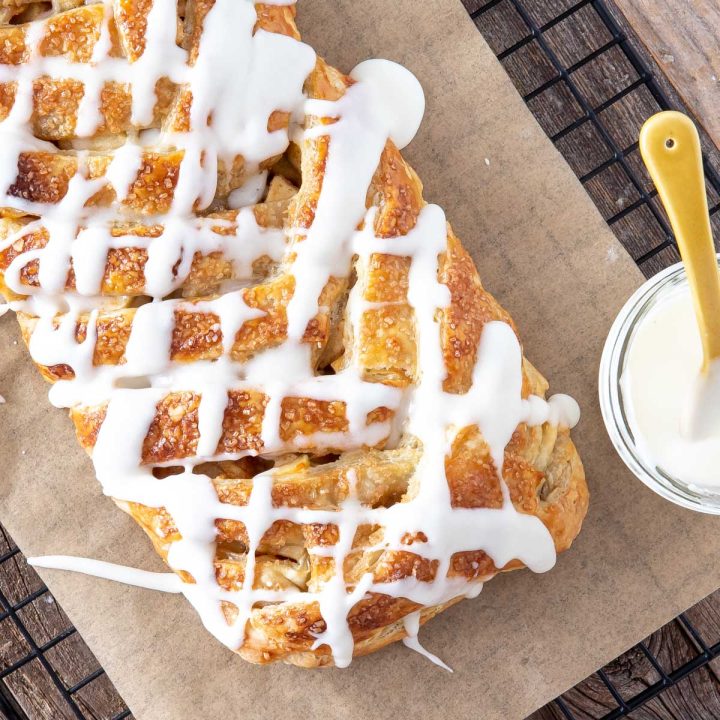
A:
(670, 148)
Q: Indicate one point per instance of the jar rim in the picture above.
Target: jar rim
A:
(612, 407)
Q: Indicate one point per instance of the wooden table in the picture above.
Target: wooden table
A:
(682, 39)
(573, 70)
(592, 73)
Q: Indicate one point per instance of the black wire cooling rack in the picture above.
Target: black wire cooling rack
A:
(33, 678)
(571, 59)
(578, 86)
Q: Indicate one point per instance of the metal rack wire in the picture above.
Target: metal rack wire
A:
(529, 29)
(10, 708)
(618, 157)
(534, 23)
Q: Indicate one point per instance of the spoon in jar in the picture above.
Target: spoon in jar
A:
(670, 148)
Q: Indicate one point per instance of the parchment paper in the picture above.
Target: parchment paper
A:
(543, 249)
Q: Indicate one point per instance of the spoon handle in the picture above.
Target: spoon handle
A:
(670, 148)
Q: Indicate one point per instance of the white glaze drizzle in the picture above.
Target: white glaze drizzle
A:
(162, 581)
(170, 255)
(238, 80)
(411, 623)
(250, 192)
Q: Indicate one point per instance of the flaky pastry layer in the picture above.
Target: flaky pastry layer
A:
(541, 467)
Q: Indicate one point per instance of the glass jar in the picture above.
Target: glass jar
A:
(614, 406)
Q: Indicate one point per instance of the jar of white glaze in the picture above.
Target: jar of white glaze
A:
(617, 401)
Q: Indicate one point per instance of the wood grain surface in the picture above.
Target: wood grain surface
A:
(683, 38)
(611, 171)
(31, 689)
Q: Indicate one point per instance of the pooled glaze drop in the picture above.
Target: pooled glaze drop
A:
(399, 95)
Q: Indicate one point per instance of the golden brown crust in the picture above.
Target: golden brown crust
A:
(541, 467)
(124, 272)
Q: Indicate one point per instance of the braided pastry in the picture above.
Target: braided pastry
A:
(280, 358)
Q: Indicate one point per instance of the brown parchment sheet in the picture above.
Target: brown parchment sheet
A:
(543, 249)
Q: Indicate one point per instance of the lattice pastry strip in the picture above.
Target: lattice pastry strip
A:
(77, 37)
(24, 11)
(219, 249)
(323, 421)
